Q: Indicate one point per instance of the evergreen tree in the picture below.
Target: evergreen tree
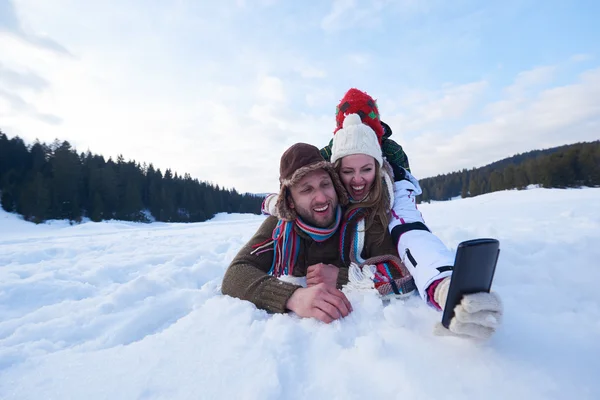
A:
(521, 180)
(474, 186)
(508, 177)
(110, 194)
(496, 181)
(589, 161)
(7, 201)
(464, 191)
(66, 175)
(97, 211)
(34, 199)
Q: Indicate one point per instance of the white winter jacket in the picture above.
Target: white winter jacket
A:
(423, 253)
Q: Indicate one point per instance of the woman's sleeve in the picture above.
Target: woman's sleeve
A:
(423, 253)
(326, 151)
(394, 154)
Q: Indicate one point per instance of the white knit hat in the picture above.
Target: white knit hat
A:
(355, 138)
(358, 138)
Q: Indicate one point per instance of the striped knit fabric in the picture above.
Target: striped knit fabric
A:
(286, 243)
(353, 238)
(391, 276)
(320, 234)
(384, 280)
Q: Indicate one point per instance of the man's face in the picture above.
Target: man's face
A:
(314, 199)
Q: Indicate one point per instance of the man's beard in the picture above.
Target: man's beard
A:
(308, 216)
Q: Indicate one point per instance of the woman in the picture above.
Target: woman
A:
(367, 178)
(356, 152)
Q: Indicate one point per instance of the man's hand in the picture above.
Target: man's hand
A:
(321, 302)
(322, 273)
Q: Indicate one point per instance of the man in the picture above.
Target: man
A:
(303, 242)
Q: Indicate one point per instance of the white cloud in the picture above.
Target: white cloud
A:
(526, 84)
(360, 15)
(555, 116)
(421, 109)
(351, 14)
(359, 59)
(338, 14)
(531, 79)
(308, 71)
(271, 88)
(26, 79)
(581, 58)
(453, 102)
(321, 97)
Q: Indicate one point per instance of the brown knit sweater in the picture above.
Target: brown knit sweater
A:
(247, 277)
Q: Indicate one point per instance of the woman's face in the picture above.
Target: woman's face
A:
(357, 173)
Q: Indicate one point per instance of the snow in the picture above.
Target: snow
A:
(121, 310)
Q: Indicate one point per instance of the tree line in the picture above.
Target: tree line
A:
(567, 166)
(43, 182)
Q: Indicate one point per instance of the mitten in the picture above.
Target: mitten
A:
(399, 172)
(478, 315)
(268, 205)
(368, 277)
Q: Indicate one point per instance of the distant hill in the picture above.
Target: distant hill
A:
(572, 165)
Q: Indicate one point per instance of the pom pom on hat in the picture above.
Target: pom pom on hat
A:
(359, 102)
(355, 137)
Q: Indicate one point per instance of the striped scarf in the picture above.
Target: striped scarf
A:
(357, 238)
(286, 242)
(382, 279)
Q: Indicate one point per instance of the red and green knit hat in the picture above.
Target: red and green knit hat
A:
(358, 102)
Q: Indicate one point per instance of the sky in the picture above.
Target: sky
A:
(219, 89)
(123, 310)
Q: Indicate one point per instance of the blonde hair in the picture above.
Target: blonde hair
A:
(376, 205)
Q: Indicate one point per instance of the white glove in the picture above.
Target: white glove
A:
(268, 206)
(476, 316)
(360, 279)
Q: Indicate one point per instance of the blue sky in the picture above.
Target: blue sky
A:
(221, 89)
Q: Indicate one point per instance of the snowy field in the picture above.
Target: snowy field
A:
(122, 310)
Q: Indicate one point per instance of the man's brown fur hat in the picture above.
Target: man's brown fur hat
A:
(296, 162)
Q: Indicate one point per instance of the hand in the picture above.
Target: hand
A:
(269, 205)
(322, 273)
(399, 172)
(478, 315)
(321, 302)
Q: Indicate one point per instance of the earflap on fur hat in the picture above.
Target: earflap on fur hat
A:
(359, 102)
(296, 163)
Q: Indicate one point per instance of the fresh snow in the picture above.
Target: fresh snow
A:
(121, 310)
